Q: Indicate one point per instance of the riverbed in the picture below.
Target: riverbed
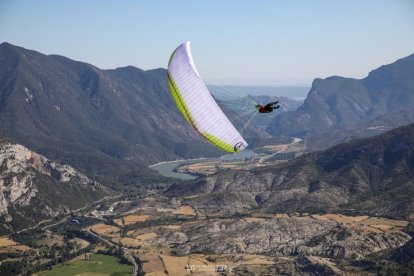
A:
(167, 168)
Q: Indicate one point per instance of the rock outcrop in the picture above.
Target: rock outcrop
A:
(279, 237)
(34, 188)
(373, 176)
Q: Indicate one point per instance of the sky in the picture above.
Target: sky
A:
(255, 43)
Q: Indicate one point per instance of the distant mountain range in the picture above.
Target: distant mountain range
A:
(337, 135)
(243, 108)
(372, 176)
(295, 92)
(33, 188)
(336, 103)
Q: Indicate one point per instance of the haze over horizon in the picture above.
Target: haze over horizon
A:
(278, 43)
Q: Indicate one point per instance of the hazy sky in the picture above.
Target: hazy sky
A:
(234, 42)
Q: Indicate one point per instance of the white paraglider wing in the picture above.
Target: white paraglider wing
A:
(197, 104)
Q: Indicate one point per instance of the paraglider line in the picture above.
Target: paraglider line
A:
(248, 121)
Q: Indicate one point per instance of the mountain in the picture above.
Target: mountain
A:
(295, 92)
(110, 124)
(243, 109)
(32, 188)
(337, 135)
(285, 103)
(372, 176)
(348, 103)
(295, 236)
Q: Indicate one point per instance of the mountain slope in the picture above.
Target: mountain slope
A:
(348, 103)
(295, 92)
(243, 109)
(369, 176)
(337, 135)
(109, 123)
(32, 188)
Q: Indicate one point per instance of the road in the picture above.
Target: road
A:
(128, 255)
(66, 217)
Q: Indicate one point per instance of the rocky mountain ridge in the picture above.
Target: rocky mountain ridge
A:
(351, 104)
(244, 108)
(33, 188)
(373, 176)
(283, 237)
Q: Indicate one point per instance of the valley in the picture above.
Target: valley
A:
(163, 236)
(223, 223)
(316, 193)
(247, 159)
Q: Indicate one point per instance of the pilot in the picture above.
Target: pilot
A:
(267, 108)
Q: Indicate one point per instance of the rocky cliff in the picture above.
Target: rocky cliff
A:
(348, 104)
(33, 188)
(290, 236)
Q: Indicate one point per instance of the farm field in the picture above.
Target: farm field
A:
(253, 219)
(185, 211)
(199, 264)
(97, 265)
(105, 229)
(137, 240)
(7, 243)
(152, 263)
(365, 224)
(131, 219)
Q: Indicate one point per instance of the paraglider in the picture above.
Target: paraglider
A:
(268, 107)
(197, 105)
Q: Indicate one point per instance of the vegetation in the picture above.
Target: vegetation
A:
(97, 263)
(29, 237)
(159, 221)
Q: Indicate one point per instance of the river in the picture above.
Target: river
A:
(167, 168)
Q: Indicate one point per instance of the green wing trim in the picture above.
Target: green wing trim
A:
(219, 143)
(182, 106)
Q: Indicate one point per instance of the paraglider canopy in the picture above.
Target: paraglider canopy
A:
(197, 104)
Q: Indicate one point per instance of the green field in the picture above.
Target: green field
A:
(96, 266)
